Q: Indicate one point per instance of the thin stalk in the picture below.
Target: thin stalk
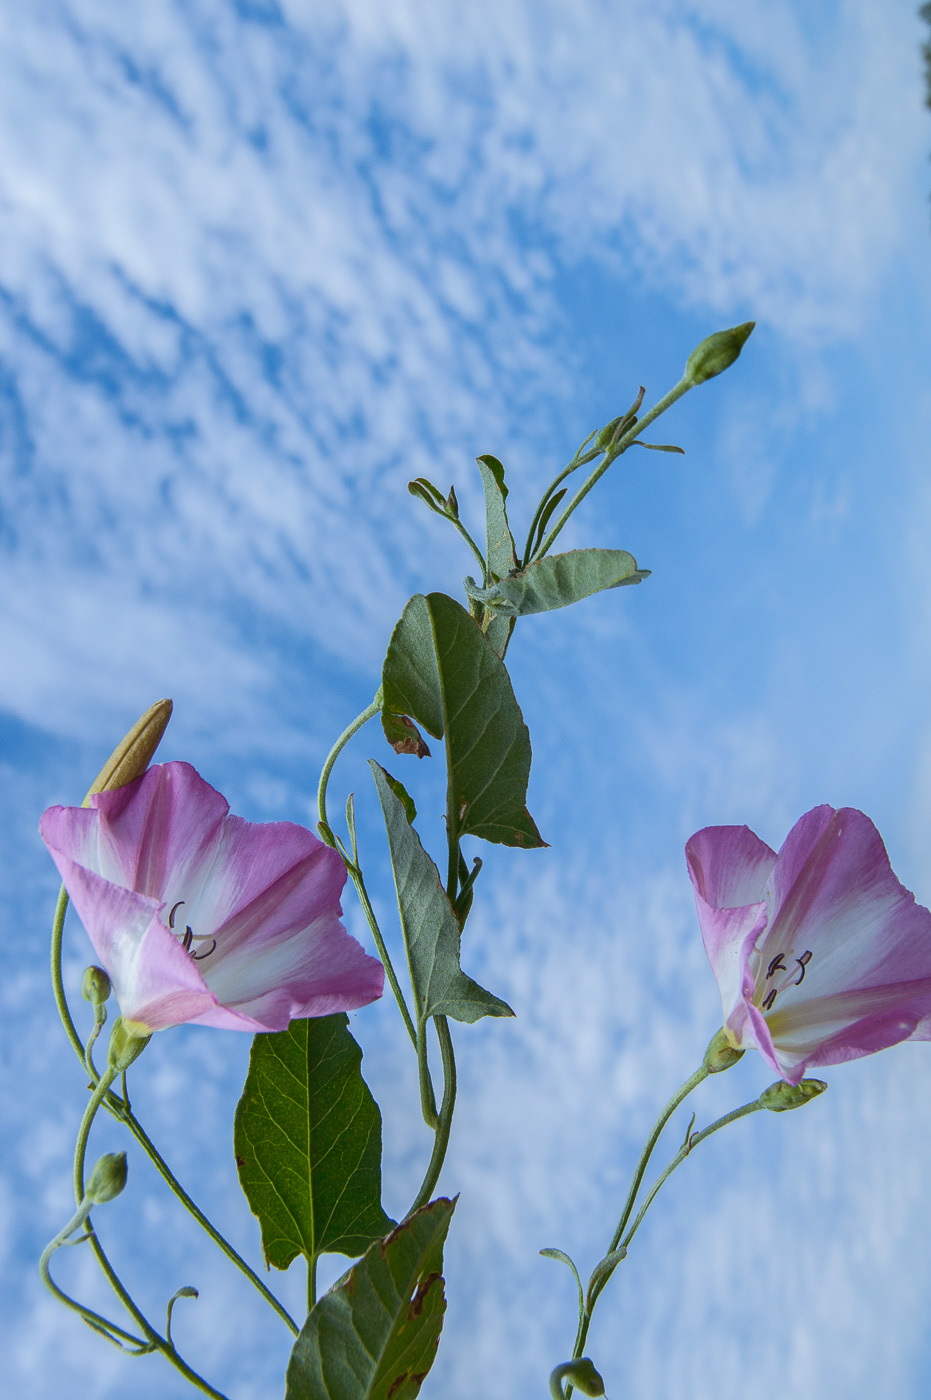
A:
(684, 1151)
(355, 872)
(441, 1141)
(311, 1282)
(336, 750)
(681, 1094)
(691, 1142)
(427, 1096)
(58, 986)
(683, 386)
(355, 875)
(148, 1331)
(153, 1153)
(453, 520)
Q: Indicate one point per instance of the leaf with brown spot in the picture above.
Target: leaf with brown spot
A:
(374, 1335)
(403, 735)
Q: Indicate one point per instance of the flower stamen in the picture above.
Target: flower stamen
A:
(189, 936)
(778, 964)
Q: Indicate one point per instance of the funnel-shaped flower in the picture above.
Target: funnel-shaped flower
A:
(820, 954)
(201, 916)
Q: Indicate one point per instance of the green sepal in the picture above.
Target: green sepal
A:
(374, 1335)
(307, 1138)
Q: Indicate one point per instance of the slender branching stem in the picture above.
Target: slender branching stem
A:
(360, 720)
(683, 386)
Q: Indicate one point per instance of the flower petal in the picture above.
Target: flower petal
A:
(157, 830)
(834, 893)
(729, 868)
(156, 983)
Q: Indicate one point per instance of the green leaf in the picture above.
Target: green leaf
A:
(430, 927)
(374, 1335)
(425, 491)
(443, 672)
(307, 1137)
(561, 579)
(500, 553)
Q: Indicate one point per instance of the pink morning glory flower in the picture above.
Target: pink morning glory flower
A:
(820, 954)
(201, 916)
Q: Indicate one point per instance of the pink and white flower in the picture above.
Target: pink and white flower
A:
(820, 954)
(201, 916)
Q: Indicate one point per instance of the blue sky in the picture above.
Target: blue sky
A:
(259, 266)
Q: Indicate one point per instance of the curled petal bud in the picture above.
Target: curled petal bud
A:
(717, 353)
(126, 1044)
(720, 1054)
(132, 756)
(107, 1179)
(95, 986)
(780, 1097)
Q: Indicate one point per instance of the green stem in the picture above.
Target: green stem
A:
(681, 1094)
(148, 1331)
(58, 986)
(573, 466)
(427, 1096)
(90, 1113)
(691, 1142)
(335, 752)
(441, 1141)
(684, 1151)
(355, 875)
(486, 577)
(683, 386)
(311, 1282)
(155, 1156)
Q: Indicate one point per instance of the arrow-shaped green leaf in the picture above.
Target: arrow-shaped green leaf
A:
(374, 1335)
(307, 1137)
(443, 673)
(561, 579)
(431, 929)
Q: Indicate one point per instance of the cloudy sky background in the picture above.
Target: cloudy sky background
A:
(260, 264)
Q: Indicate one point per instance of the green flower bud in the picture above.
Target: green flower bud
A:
(606, 436)
(126, 1044)
(721, 1054)
(95, 986)
(717, 353)
(107, 1179)
(582, 1375)
(780, 1097)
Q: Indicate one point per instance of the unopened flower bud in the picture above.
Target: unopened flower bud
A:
(606, 436)
(717, 352)
(126, 1044)
(132, 756)
(107, 1179)
(721, 1054)
(95, 986)
(780, 1097)
(581, 1375)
